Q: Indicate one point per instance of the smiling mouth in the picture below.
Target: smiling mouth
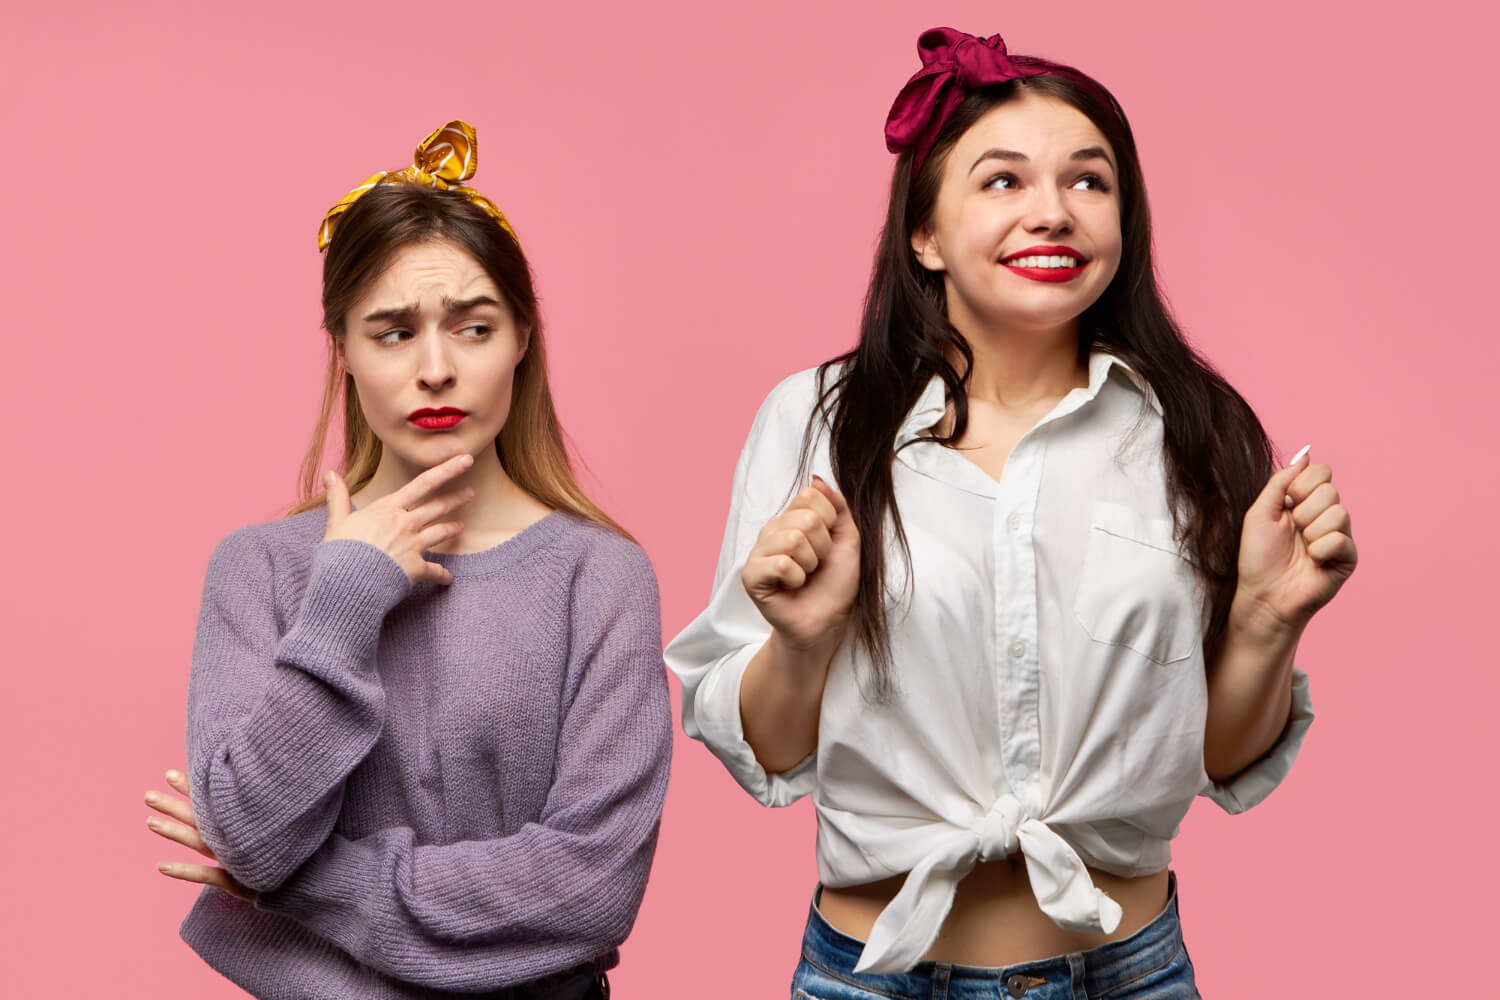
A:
(1053, 261)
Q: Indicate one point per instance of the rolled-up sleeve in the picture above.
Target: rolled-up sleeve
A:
(710, 655)
(1251, 786)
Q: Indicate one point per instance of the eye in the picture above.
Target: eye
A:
(392, 336)
(476, 331)
(1090, 182)
(1003, 182)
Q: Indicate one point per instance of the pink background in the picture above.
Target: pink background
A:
(699, 189)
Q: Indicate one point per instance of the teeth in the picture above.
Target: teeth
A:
(1052, 261)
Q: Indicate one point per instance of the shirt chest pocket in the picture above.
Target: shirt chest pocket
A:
(1136, 589)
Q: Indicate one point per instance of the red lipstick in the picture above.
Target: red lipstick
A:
(1046, 273)
(441, 419)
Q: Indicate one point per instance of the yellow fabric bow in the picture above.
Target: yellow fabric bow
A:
(443, 160)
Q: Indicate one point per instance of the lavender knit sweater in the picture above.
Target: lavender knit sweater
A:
(435, 788)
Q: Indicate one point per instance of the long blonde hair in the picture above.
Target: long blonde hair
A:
(387, 218)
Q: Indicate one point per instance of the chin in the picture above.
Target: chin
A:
(428, 454)
(1039, 320)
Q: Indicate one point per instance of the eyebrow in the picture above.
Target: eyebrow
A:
(452, 307)
(1010, 155)
(1093, 153)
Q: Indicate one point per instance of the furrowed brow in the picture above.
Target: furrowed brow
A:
(407, 314)
(464, 305)
(397, 314)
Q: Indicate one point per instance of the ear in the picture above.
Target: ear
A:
(338, 352)
(523, 341)
(928, 253)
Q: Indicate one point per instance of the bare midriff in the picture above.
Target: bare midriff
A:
(995, 919)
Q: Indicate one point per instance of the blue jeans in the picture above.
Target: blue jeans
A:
(1151, 964)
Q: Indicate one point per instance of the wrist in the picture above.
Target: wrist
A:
(1254, 620)
(816, 644)
(804, 660)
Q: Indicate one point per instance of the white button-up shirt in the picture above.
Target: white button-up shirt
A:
(1050, 683)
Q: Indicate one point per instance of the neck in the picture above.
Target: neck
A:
(1019, 368)
(500, 508)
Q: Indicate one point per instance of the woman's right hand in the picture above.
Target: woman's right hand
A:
(803, 572)
(406, 523)
(183, 828)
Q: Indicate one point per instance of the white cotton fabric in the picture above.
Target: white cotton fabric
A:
(1051, 695)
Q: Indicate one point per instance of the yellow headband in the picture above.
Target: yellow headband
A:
(443, 160)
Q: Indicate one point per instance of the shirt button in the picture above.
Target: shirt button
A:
(1018, 649)
(1013, 522)
(1017, 985)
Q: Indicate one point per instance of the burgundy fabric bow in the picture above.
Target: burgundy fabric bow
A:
(954, 63)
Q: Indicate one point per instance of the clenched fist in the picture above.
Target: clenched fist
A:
(1296, 548)
(803, 572)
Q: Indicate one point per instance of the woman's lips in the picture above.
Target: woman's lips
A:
(437, 420)
(1047, 263)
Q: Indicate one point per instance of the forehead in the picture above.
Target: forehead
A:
(426, 271)
(1040, 127)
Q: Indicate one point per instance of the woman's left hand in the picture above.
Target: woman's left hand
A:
(182, 826)
(1296, 549)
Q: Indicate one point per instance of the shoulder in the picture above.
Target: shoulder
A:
(793, 399)
(270, 547)
(600, 554)
(612, 579)
(784, 417)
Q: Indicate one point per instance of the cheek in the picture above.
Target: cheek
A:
(374, 386)
(980, 229)
(1108, 235)
(500, 376)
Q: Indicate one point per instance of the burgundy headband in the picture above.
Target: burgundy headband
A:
(953, 64)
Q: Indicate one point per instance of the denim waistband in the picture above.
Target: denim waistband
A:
(1099, 969)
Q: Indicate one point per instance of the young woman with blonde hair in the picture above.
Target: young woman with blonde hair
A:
(428, 727)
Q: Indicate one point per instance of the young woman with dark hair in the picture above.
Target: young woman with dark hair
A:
(1055, 593)
(428, 726)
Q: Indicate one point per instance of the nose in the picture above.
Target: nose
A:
(1048, 212)
(435, 371)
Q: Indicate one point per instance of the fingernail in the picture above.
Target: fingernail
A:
(818, 478)
(1287, 501)
(328, 478)
(153, 822)
(164, 868)
(174, 775)
(153, 798)
(1299, 456)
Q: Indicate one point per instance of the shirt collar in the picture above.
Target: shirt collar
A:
(1100, 366)
(931, 405)
(928, 410)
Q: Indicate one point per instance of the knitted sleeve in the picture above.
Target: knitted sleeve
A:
(276, 722)
(561, 890)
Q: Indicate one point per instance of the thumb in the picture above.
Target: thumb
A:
(843, 520)
(1272, 500)
(337, 497)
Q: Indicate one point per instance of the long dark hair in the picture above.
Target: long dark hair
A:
(1217, 453)
(388, 218)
